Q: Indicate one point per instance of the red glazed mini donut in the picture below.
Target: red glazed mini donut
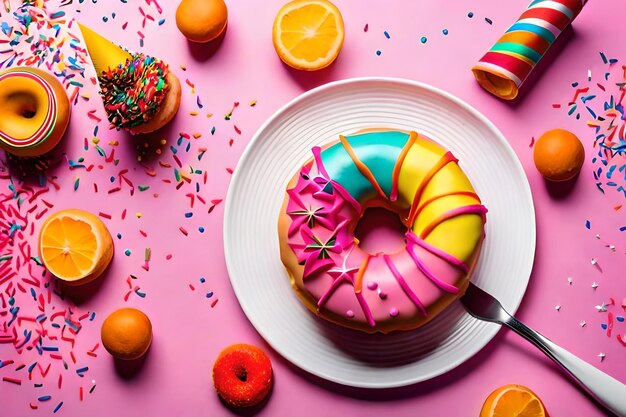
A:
(242, 375)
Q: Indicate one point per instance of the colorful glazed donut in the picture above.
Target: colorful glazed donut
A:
(405, 173)
(34, 111)
(242, 375)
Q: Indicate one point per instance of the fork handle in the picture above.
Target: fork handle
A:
(607, 390)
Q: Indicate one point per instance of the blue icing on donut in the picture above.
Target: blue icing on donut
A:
(379, 151)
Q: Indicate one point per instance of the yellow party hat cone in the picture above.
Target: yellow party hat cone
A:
(104, 54)
(139, 92)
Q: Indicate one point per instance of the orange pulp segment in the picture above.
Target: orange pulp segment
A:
(513, 401)
(308, 34)
(75, 245)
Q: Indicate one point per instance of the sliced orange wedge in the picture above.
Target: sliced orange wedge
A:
(513, 401)
(308, 34)
(75, 246)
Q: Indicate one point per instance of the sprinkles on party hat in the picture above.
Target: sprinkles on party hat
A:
(133, 92)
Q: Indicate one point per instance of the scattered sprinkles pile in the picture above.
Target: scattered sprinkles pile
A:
(600, 101)
(35, 318)
(41, 35)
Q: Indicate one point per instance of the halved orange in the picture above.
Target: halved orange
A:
(308, 34)
(75, 246)
(513, 401)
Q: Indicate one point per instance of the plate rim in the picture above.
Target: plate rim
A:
(491, 329)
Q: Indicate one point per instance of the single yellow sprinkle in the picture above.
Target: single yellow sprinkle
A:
(209, 115)
(253, 103)
(95, 141)
(197, 135)
(114, 142)
(138, 215)
(193, 113)
(182, 67)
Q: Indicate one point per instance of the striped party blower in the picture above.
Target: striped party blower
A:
(505, 67)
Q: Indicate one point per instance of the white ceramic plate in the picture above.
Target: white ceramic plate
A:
(256, 193)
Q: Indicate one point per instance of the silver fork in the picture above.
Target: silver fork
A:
(607, 390)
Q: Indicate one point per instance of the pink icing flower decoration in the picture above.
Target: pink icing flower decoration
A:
(318, 249)
(324, 213)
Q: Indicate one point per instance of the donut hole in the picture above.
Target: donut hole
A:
(241, 373)
(380, 231)
(27, 107)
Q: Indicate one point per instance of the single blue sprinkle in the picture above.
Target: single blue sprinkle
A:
(50, 348)
(445, 31)
(423, 39)
(44, 398)
(612, 60)
(105, 19)
(588, 224)
(621, 229)
(575, 84)
(470, 14)
(161, 22)
(93, 316)
(387, 35)
(188, 214)
(112, 179)
(127, 252)
(113, 15)
(209, 294)
(378, 52)
(82, 370)
(620, 319)
(57, 407)
(201, 229)
(38, 385)
(31, 367)
(202, 280)
(604, 326)
(488, 20)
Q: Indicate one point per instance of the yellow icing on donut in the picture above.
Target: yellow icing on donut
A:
(24, 103)
(422, 156)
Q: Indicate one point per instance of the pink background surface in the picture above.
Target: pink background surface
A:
(189, 333)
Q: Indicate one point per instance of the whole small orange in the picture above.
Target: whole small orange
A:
(201, 20)
(559, 155)
(126, 333)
